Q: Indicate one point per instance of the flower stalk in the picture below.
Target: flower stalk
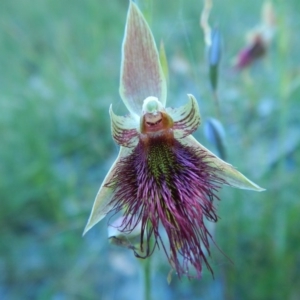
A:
(147, 278)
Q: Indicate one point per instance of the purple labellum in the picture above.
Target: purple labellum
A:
(166, 183)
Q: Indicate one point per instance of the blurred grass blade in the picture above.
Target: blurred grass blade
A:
(204, 22)
(163, 60)
(214, 58)
(215, 134)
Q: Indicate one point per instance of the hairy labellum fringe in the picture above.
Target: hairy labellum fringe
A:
(166, 183)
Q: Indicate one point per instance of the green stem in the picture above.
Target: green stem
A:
(147, 278)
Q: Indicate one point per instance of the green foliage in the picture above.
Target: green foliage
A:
(59, 63)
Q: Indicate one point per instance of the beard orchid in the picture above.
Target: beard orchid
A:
(163, 181)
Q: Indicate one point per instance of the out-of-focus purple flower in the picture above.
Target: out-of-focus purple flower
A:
(255, 50)
(258, 39)
(163, 180)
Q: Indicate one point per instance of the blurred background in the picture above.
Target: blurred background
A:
(60, 63)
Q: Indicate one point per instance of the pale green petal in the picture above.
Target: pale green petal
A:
(186, 118)
(224, 170)
(124, 129)
(102, 203)
(141, 71)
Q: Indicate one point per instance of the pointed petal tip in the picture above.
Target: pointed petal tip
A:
(193, 100)
(254, 187)
(111, 112)
(241, 181)
(259, 189)
(237, 180)
(87, 227)
(133, 8)
(191, 96)
(85, 231)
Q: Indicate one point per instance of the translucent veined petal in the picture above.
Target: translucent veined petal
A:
(141, 72)
(124, 129)
(102, 203)
(186, 118)
(231, 176)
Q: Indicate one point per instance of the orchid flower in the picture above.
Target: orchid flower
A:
(259, 38)
(163, 181)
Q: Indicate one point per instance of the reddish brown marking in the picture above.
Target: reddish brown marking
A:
(151, 123)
